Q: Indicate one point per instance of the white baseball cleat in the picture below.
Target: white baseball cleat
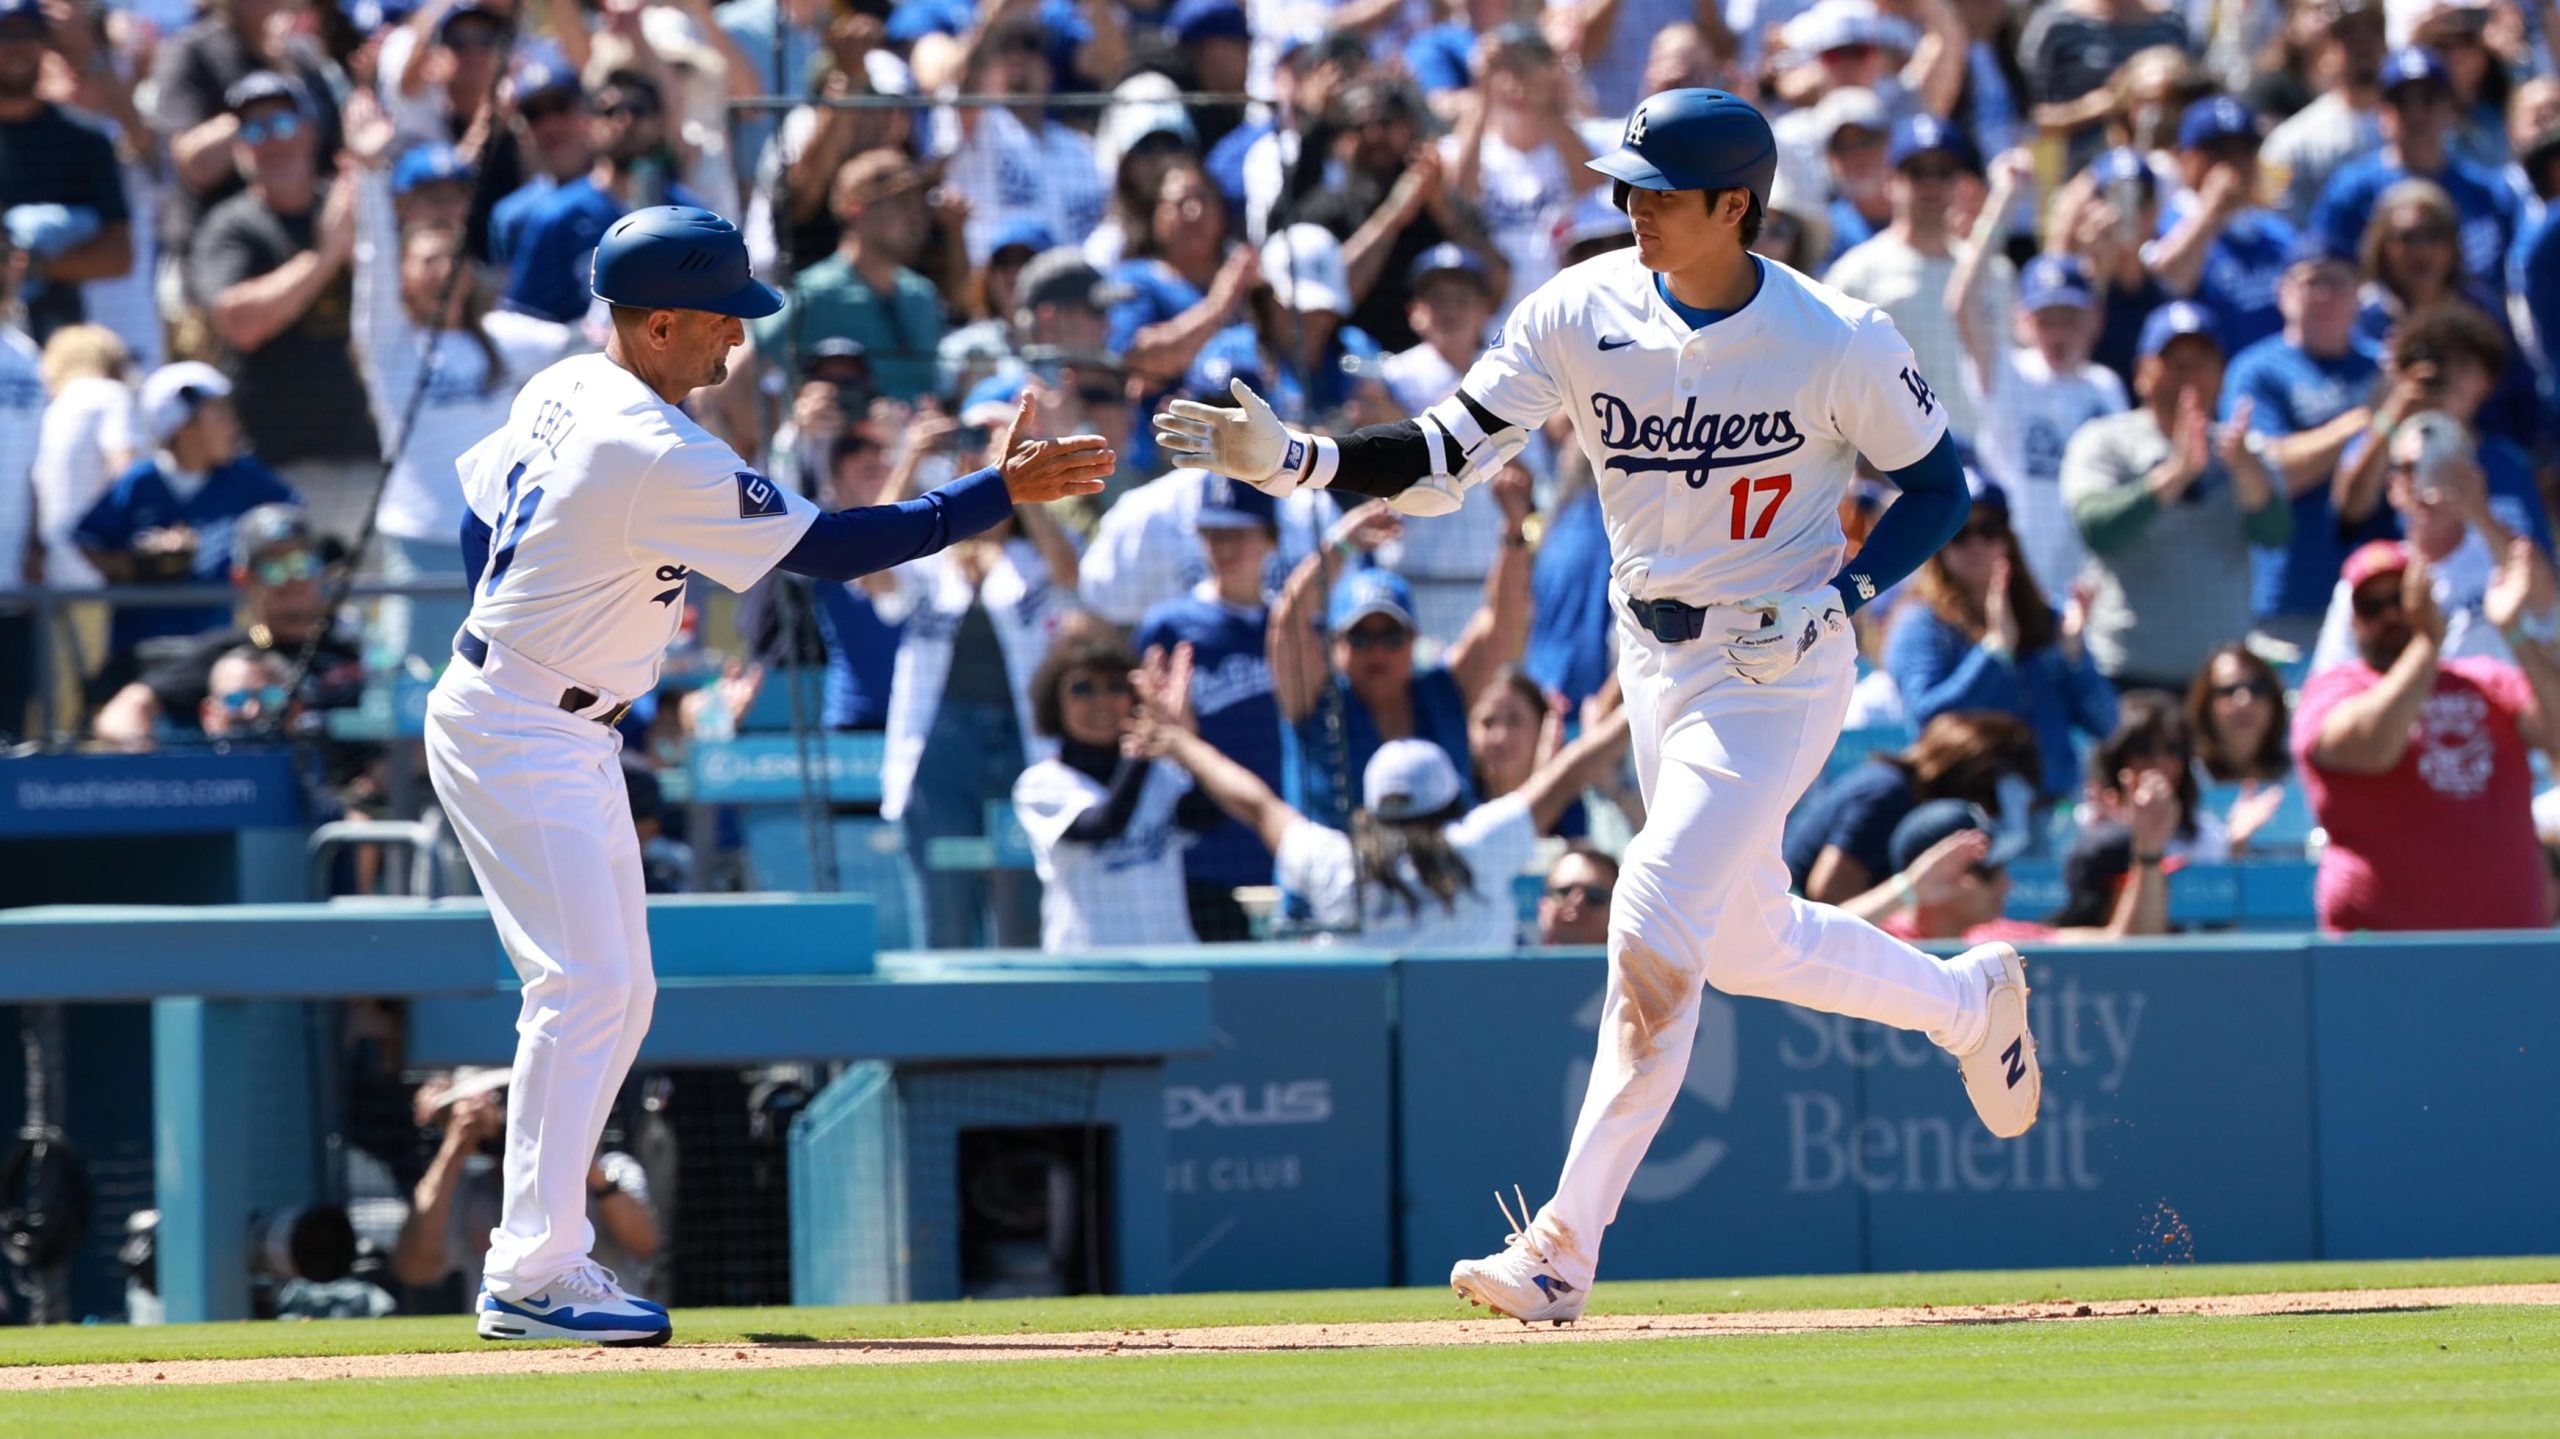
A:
(586, 1303)
(1520, 1282)
(2001, 1074)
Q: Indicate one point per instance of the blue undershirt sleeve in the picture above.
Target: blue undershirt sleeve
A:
(848, 544)
(1933, 507)
(476, 536)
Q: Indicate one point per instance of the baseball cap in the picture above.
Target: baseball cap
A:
(2413, 65)
(2216, 117)
(1032, 235)
(1217, 365)
(468, 9)
(1937, 819)
(2372, 558)
(1364, 592)
(1591, 218)
(172, 394)
(1837, 24)
(2054, 280)
(1063, 276)
(1193, 21)
(1143, 106)
(471, 1081)
(1227, 504)
(1982, 491)
(1408, 779)
(542, 71)
(1447, 259)
(426, 165)
(991, 401)
(2124, 165)
(1520, 38)
(1925, 134)
(2315, 246)
(1303, 266)
(835, 347)
(267, 525)
(2175, 320)
(259, 86)
(1851, 105)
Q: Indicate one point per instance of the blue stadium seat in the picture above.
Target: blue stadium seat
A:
(870, 860)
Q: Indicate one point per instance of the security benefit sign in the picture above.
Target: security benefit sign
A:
(1277, 1173)
(2176, 1124)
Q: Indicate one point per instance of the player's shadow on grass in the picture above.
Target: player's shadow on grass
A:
(792, 1339)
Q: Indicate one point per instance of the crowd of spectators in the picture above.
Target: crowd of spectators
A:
(2242, 311)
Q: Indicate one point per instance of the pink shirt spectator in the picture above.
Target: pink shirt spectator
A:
(2444, 839)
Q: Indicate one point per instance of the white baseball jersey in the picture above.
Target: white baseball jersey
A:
(602, 499)
(1125, 891)
(1721, 454)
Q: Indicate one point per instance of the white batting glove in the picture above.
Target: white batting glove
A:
(1790, 626)
(1248, 444)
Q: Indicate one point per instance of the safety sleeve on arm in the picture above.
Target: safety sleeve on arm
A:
(1933, 507)
(848, 544)
(476, 538)
(1107, 821)
(1455, 443)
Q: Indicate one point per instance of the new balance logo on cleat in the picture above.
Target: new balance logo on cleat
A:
(2015, 1056)
(1554, 1289)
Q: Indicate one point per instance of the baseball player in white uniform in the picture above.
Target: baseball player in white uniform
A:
(589, 511)
(1723, 401)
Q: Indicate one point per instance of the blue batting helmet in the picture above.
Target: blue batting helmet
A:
(680, 257)
(1693, 140)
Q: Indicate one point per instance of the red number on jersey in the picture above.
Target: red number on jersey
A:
(1776, 487)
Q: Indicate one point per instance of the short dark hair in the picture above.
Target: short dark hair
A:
(1585, 850)
(1087, 652)
(2447, 329)
(1752, 216)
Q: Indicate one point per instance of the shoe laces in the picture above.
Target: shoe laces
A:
(1522, 1238)
(592, 1282)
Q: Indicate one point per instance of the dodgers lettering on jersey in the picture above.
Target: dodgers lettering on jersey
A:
(602, 499)
(1721, 454)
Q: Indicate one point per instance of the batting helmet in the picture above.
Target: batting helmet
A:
(679, 257)
(1693, 140)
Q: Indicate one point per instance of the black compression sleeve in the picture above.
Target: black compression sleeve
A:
(1384, 461)
(1105, 822)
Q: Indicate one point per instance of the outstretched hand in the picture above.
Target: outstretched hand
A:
(1245, 443)
(1038, 471)
(1162, 682)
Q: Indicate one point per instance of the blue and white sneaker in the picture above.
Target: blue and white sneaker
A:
(1520, 1282)
(587, 1303)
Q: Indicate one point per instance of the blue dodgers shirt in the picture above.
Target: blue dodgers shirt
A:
(141, 500)
(1569, 613)
(547, 255)
(1327, 387)
(2483, 206)
(2240, 272)
(1439, 715)
(2289, 392)
(1238, 715)
(862, 654)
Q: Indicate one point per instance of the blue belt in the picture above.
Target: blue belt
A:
(1669, 621)
(475, 649)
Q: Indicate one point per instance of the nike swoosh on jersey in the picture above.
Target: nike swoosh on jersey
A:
(1607, 345)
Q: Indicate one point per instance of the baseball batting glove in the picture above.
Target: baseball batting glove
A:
(1248, 444)
(1789, 627)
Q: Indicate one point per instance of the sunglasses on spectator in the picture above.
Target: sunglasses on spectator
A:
(2420, 235)
(2373, 604)
(625, 107)
(550, 109)
(2258, 689)
(1984, 530)
(1377, 637)
(1587, 893)
(265, 697)
(285, 569)
(1927, 172)
(283, 126)
(1086, 687)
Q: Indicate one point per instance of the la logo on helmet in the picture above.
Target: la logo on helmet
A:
(1635, 127)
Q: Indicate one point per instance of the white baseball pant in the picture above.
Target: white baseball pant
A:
(536, 796)
(1702, 898)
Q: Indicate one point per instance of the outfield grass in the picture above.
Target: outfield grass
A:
(2467, 1371)
(108, 1343)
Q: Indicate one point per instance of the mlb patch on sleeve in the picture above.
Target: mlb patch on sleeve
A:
(757, 496)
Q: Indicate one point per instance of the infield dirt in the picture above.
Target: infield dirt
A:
(1232, 1339)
